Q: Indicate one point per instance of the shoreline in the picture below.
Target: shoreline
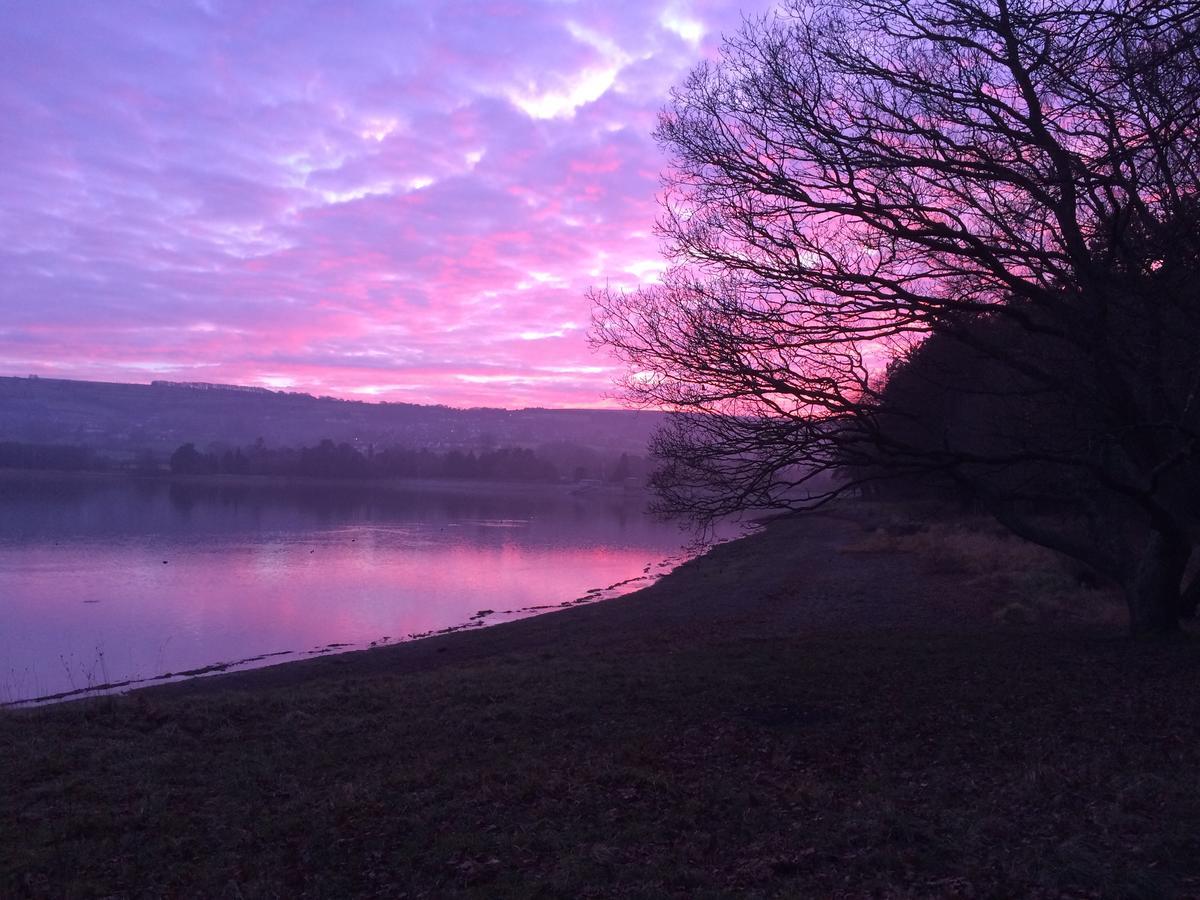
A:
(651, 574)
(342, 657)
(814, 710)
(396, 485)
(656, 608)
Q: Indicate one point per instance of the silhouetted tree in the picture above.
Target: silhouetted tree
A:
(850, 179)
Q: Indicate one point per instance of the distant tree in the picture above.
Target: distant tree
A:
(187, 460)
(471, 465)
(566, 456)
(147, 462)
(455, 464)
(621, 470)
(57, 457)
(330, 460)
(1020, 179)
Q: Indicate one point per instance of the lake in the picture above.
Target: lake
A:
(113, 580)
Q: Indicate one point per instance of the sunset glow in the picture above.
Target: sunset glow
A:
(387, 201)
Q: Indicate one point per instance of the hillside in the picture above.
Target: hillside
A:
(125, 419)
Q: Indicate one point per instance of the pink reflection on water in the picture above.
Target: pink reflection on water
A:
(79, 613)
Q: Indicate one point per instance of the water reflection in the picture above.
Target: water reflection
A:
(107, 580)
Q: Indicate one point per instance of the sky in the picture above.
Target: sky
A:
(401, 201)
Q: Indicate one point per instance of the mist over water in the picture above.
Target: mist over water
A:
(110, 580)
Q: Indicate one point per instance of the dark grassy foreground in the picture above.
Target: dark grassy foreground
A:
(821, 724)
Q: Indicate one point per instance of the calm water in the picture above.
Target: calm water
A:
(103, 582)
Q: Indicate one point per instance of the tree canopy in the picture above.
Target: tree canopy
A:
(1016, 178)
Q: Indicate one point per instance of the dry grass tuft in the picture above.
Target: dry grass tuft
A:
(1022, 582)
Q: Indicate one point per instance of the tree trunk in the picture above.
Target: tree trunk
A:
(1153, 592)
(1189, 599)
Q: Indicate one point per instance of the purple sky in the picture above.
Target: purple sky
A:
(392, 200)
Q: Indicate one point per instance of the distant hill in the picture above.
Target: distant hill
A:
(123, 420)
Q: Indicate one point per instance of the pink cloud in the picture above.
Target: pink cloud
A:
(404, 201)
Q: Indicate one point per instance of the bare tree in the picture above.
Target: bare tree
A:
(851, 178)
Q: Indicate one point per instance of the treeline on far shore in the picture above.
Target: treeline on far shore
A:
(561, 462)
(56, 457)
